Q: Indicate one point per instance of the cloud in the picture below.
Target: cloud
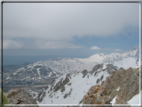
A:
(57, 22)
(37, 44)
(117, 50)
(95, 48)
(11, 44)
(45, 44)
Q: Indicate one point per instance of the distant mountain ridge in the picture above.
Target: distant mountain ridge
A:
(41, 71)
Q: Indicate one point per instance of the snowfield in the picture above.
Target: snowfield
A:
(136, 100)
(78, 85)
(78, 88)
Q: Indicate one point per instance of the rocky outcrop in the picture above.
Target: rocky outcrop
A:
(18, 96)
(40, 96)
(99, 67)
(96, 95)
(122, 84)
(60, 85)
(84, 72)
(111, 68)
(96, 67)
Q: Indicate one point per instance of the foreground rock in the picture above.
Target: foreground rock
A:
(122, 84)
(19, 97)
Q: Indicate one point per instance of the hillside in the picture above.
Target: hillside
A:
(117, 87)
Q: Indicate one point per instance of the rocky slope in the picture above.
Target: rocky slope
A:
(17, 97)
(120, 86)
(107, 83)
(70, 88)
(25, 75)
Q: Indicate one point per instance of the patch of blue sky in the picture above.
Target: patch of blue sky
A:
(125, 40)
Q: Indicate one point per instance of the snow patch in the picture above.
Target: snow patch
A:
(113, 101)
(118, 88)
(38, 71)
(136, 100)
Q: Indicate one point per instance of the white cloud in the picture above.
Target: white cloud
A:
(95, 48)
(37, 44)
(45, 44)
(60, 22)
(11, 44)
(117, 50)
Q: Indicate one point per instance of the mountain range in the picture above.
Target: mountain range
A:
(103, 85)
(41, 71)
(73, 78)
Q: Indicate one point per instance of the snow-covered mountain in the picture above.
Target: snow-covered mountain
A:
(69, 65)
(38, 72)
(73, 76)
(70, 88)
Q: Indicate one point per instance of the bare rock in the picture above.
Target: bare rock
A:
(18, 96)
(96, 67)
(96, 95)
(124, 84)
(84, 72)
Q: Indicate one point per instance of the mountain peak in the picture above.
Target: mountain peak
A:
(132, 53)
(135, 48)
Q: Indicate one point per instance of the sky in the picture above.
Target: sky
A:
(69, 29)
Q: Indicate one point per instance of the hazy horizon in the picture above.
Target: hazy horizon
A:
(17, 60)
